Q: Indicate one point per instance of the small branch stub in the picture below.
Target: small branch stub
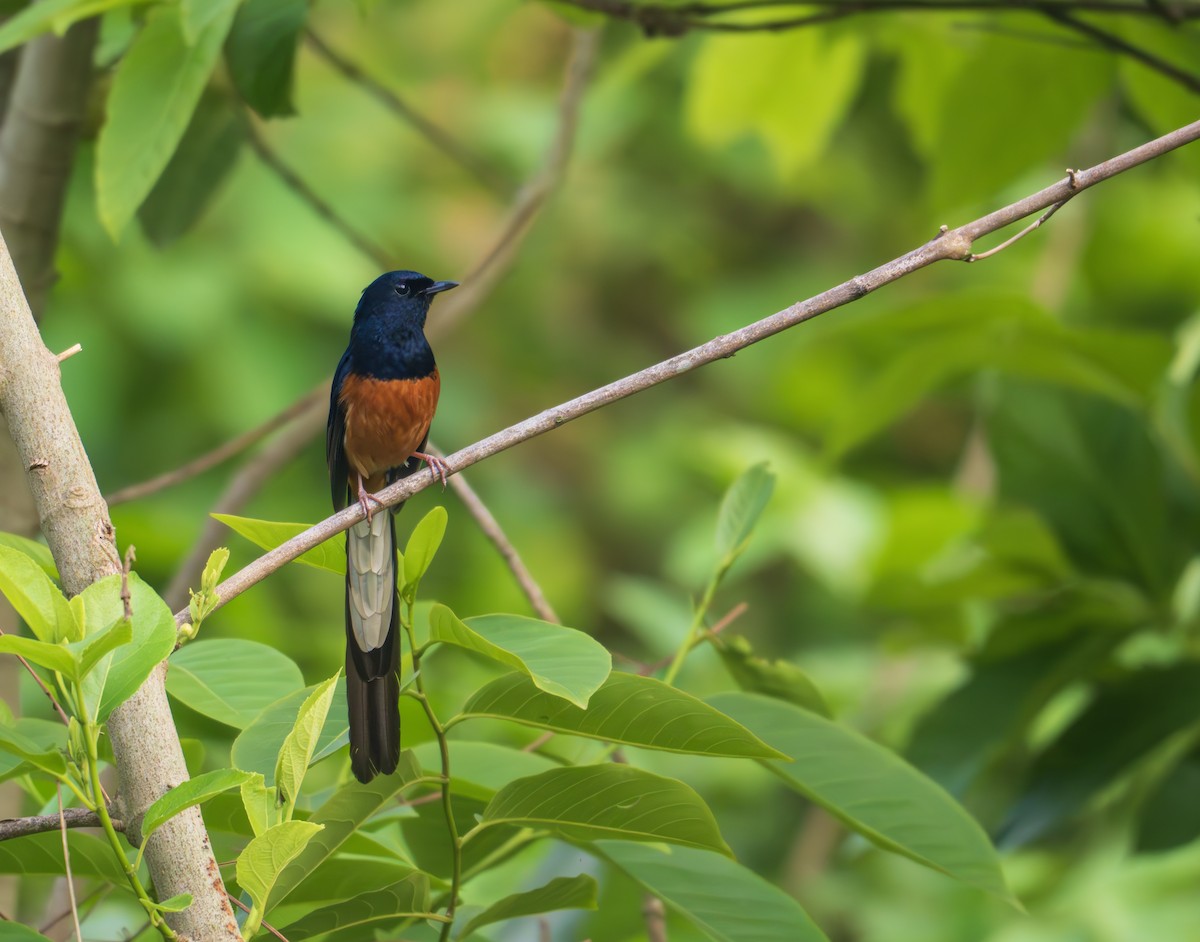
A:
(69, 352)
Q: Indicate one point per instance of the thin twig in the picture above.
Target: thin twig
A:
(534, 193)
(40, 823)
(953, 244)
(494, 532)
(976, 257)
(242, 488)
(655, 915)
(266, 925)
(438, 136)
(62, 826)
(69, 352)
(539, 742)
(296, 184)
(94, 898)
(222, 453)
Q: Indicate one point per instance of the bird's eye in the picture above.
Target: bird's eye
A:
(401, 289)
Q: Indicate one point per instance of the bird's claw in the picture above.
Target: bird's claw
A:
(364, 500)
(436, 465)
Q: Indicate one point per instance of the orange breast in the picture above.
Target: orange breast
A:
(386, 420)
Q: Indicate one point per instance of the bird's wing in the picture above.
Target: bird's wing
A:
(335, 437)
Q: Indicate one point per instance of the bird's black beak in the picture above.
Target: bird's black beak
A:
(439, 286)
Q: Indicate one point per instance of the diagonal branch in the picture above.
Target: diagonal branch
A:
(949, 244)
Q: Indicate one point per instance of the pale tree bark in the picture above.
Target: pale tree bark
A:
(75, 521)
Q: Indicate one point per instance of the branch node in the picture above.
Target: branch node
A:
(1071, 184)
(39, 464)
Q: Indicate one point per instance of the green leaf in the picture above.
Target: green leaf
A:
(42, 854)
(742, 506)
(262, 860)
(480, 769)
(577, 892)
(779, 679)
(205, 155)
(330, 555)
(751, 85)
(192, 792)
(156, 88)
(14, 742)
(197, 14)
(231, 680)
(39, 602)
(561, 661)
(38, 552)
(409, 897)
(341, 817)
(626, 709)
(301, 742)
(55, 657)
(1170, 817)
(725, 900)
(260, 804)
(258, 746)
(423, 545)
(261, 53)
(594, 802)
(15, 932)
(92, 649)
(117, 676)
(872, 790)
(176, 904)
(44, 16)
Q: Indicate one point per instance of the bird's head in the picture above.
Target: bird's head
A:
(403, 294)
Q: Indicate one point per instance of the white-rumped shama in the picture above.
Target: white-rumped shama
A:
(381, 405)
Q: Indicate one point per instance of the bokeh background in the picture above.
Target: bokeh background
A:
(984, 519)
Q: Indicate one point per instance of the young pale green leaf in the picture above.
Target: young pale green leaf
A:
(261, 53)
(262, 860)
(330, 555)
(872, 790)
(25, 749)
(341, 817)
(92, 649)
(594, 802)
(231, 680)
(38, 552)
(626, 709)
(407, 898)
(577, 892)
(480, 769)
(258, 746)
(154, 92)
(42, 17)
(301, 742)
(779, 679)
(260, 803)
(206, 153)
(117, 675)
(561, 661)
(725, 900)
(740, 509)
(423, 545)
(192, 792)
(176, 904)
(55, 657)
(40, 603)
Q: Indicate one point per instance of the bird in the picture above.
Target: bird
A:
(381, 404)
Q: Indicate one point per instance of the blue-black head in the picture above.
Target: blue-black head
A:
(402, 296)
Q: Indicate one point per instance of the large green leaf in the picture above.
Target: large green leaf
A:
(341, 816)
(192, 792)
(300, 744)
(203, 159)
(871, 790)
(725, 900)
(755, 85)
(38, 552)
(407, 898)
(118, 675)
(40, 603)
(155, 90)
(480, 769)
(230, 679)
(594, 802)
(561, 661)
(577, 892)
(330, 555)
(261, 53)
(627, 709)
(257, 747)
(15, 932)
(43, 854)
(262, 860)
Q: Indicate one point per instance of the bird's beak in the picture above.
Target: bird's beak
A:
(439, 286)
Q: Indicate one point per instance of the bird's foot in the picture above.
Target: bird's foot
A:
(436, 464)
(364, 500)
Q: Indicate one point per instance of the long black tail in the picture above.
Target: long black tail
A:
(372, 647)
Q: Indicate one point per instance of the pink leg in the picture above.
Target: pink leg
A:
(364, 499)
(435, 463)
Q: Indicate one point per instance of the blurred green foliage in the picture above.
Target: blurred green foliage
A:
(982, 541)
